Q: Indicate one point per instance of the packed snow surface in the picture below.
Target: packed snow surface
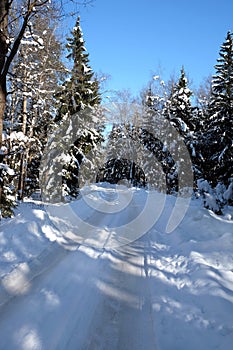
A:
(161, 291)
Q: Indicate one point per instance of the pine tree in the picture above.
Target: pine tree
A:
(222, 84)
(219, 135)
(81, 89)
(179, 111)
(79, 95)
(178, 108)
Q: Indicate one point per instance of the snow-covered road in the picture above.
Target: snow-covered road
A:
(96, 301)
(157, 292)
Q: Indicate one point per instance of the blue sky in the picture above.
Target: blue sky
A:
(133, 39)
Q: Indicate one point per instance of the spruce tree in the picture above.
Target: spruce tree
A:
(79, 95)
(178, 108)
(180, 112)
(81, 89)
(222, 84)
(219, 135)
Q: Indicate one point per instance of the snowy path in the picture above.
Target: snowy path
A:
(160, 292)
(101, 301)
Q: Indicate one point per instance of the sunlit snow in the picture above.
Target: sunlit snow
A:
(162, 291)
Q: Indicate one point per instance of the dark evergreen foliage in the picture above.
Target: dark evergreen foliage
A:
(139, 167)
(218, 146)
(116, 170)
(80, 89)
(36, 104)
(179, 109)
(79, 92)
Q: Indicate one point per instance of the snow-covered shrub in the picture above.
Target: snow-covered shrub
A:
(209, 196)
(7, 191)
(215, 198)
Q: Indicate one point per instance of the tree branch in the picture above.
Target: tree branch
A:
(17, 41)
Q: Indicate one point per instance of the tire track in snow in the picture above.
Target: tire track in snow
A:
(136, 329)
(89, 300)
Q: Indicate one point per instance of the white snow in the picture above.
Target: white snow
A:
(163, 291)
(7, 169)
(228, 194)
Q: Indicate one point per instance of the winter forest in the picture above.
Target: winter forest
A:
(116, 209)
(45, 81)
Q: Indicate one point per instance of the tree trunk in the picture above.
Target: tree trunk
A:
(4, 7)
(21, 178)
(23, 156)
(24, 114)
(2, 109)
